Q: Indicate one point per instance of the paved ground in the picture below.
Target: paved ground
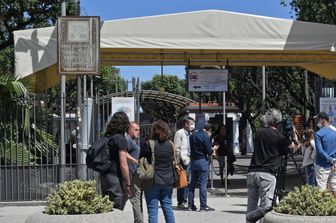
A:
(229, 208)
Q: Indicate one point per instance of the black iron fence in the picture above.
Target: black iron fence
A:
(29, 144)
(29, 149)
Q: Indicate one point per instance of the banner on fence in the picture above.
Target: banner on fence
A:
(125, 104)
(328, 105)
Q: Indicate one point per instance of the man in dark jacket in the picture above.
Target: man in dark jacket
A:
(269, 146)
(200, 149)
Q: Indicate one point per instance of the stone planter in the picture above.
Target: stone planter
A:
(110, 217)
(274, 217)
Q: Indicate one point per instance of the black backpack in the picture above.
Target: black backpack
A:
(98, 156)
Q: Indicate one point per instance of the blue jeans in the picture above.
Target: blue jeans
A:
(162, 193)
(310, 175)
(182, 193)
(199, 171)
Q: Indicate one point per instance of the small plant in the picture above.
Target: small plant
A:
(77, 197)
(308, 201)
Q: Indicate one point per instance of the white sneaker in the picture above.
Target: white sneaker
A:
(183, 206)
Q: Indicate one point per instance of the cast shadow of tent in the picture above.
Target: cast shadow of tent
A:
(38, 61)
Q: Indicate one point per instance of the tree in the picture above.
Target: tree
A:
(321, 11)
(109, 81)
(29, 140)
(164, 110)
(23, 141)
(284, 90)
(170, 83)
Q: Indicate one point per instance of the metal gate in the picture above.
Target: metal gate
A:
(28, 151)
(29, 143)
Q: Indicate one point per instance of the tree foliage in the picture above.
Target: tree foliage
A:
(31, 143)
(109, 81)
(321, 11)
(24, 137)
(170, 83)
(163, 110)
(18, 15)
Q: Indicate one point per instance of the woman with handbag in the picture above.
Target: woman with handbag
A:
(162, 188)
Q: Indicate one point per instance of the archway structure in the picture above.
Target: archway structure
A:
(174, 99)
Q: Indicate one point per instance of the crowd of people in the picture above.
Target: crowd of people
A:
(271, 145)
(192, 149)
(189, 148)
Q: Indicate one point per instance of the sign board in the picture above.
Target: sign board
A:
(328, 105)
(78, 44)
(200, 80)
(124, 104)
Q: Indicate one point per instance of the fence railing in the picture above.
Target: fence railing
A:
(29, 145)
(29, 150)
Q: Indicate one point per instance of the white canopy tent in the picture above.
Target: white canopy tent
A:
(208, 37)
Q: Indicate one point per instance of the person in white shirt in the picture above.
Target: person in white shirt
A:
(182, 146)
(309, 153)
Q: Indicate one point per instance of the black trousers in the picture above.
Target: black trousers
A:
(111, 186)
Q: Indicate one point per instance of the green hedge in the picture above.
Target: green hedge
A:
(308, 201)
(77, 197)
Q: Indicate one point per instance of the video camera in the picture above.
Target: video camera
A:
(287, 126)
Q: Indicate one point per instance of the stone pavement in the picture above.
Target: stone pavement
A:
(229, 208)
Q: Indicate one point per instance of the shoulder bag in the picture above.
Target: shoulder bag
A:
(180, 175)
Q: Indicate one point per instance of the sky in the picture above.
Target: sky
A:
(120, 9)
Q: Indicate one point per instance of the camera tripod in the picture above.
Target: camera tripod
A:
(280, 191)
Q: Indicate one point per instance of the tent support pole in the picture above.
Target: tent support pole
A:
(62, 115)
(263, 88)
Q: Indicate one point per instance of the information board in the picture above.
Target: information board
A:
(78, 44)
(204, 80)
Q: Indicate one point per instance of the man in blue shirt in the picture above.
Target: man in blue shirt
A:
(325, 141)
(200, 149)
(133, 156)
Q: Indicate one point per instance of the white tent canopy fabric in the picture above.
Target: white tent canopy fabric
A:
(200, 37)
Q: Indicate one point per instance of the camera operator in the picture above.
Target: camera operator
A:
(269, 146)
(325, 141)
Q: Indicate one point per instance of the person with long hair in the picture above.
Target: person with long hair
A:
(162, 188)
(116, 182)
(309, 153)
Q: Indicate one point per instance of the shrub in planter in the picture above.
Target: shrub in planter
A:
(77, 197)
(308, 201)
